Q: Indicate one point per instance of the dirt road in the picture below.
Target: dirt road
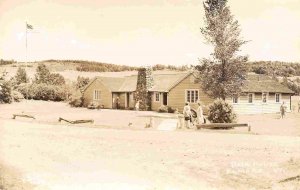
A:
(65, 157)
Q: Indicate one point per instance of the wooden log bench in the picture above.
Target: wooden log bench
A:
(23, 115)
(223, 125)
(76, 121)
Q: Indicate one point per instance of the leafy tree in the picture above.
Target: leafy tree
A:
(5, 89)
(82, 82)
(292, 85)
(223, 74)
(56, 79)
(21, 76)
(43, 75)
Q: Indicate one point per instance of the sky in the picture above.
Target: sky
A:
(142, 32)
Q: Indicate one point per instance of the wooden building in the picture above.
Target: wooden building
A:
(261, 94)
(168, 89)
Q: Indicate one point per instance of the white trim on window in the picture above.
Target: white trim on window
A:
(264, 101)
(253, 98)
(191, 96)
(156, 97)
(279, 98)
(97, 94)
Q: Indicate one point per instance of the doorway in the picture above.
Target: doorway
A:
(165, 98)
(127, 99)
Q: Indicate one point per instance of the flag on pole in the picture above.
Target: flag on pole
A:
(29, 26)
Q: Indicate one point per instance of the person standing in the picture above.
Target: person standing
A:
(200, 117)
(118, 102)
(283, 110)
(137, 105)
(187, 115)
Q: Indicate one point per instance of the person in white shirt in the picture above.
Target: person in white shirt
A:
(200, 117)
(187, 115)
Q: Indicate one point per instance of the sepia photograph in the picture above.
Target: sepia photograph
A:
(149, 95)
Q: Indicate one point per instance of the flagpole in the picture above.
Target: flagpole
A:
(26, 61)
(26, 43)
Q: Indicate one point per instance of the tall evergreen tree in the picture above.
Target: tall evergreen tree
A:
(223, 74)
(42, 74)
(21, 76)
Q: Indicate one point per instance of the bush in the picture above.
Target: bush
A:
(5, 92)
(166, 109)
(76, 99)
(221, 112)
(171, 110)
(163, 109)
(17, 96)
(94, 105)
(43, 92)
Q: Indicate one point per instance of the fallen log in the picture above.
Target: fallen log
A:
(76, 121)
(223, 125)
(23, 115)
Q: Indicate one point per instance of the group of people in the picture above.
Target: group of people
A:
(187, 113)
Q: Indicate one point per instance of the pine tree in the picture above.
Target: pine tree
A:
(21, 76)
(223, 74)
(42, 74)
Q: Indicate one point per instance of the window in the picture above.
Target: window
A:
(250, 98)
(277, 98)
(264, 97)
(192, 96)
(156, 95)
(97, 95)
(235, 99)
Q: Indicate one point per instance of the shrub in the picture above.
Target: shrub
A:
(25, 90)
(94, 105)
(171, 110)
(163, 109)
(5, 92)
(166, 109)
(76, 99)
(43, 92)
(17, 96)
(221, 112)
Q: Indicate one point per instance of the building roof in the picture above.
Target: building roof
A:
(162, 82)
(165, 82)
(264, 83)
(112, 83)
(129, 84)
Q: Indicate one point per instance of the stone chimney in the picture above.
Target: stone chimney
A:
(149, 77)
(144, 83)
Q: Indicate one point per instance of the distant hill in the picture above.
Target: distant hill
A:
(89, 66)
(275, 68)
(272, 68)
